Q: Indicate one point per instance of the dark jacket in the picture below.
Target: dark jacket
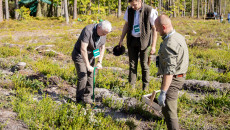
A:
(145, 26)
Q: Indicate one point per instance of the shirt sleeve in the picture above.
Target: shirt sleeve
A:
(170, 58)
(126, 15)
(153, 16)
(85, 36)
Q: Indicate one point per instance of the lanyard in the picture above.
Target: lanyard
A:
(96, 42)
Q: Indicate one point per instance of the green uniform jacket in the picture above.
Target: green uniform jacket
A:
(173, 55)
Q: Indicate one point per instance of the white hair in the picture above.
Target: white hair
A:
(105, 25)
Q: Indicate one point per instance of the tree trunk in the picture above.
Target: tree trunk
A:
(62, 8)
(202, 8)
(192, 11)
(212, 5)
(16, 7)
(7, 9)
(205, 7)
(66, 11)
(59, 11)
(224, 6)
(98, 6)
(109, 6)
(44, 9)
(1, 11)
(119, 9)
(220, 12)
(39, 12)
(50, 14)
(198, 8)
(174, 10)
(90, 4)
(184, 8)
(159, 5)
(75, 9)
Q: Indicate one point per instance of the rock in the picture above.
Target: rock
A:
(9, 119)
(6, 72)
(20, 66)
(7, 83)
(205, 86)
(42, 47)
(13, 45)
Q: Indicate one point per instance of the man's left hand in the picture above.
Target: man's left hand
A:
(161, 98)
(99, 66)
(153, 50)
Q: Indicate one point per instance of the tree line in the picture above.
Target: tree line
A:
(56, 8)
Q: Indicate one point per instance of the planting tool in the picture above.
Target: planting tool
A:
(94, 82)
(149, 100)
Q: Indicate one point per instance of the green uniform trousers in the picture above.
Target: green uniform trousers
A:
(170, 109)
(134, 51)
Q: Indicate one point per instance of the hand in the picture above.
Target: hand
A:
(120, 43)
(153, 50)
(90, 68)
(161, 98)
(99, 66)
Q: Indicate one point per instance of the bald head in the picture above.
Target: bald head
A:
(163, 24)
(164, 20)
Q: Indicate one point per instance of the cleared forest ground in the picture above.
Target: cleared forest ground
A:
(41, 95)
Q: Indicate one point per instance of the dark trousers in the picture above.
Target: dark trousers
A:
(84, 77)
(170, 109)
(134, 51)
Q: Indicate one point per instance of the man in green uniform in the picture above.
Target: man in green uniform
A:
(141, 33)
(173, 64)
(90, 45)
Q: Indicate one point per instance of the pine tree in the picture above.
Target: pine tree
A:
(1, 13)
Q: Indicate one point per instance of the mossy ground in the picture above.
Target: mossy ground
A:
(208, 43)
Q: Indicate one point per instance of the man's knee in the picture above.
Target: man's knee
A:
(170, 110)
(82, 76)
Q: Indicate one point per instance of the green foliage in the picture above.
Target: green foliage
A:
(47, 114)
(215, 105)
(22, 81)
(8, 51)
(205, 59)
(24, 13)
(116, 105)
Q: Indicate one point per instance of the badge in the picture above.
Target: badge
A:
(136, 28)
(96, 53)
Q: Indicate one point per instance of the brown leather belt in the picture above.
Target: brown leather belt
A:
(179, 75)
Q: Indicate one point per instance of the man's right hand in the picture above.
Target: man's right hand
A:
(90, 68)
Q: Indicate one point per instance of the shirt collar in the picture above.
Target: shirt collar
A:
(95, 31)
(167, 35)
